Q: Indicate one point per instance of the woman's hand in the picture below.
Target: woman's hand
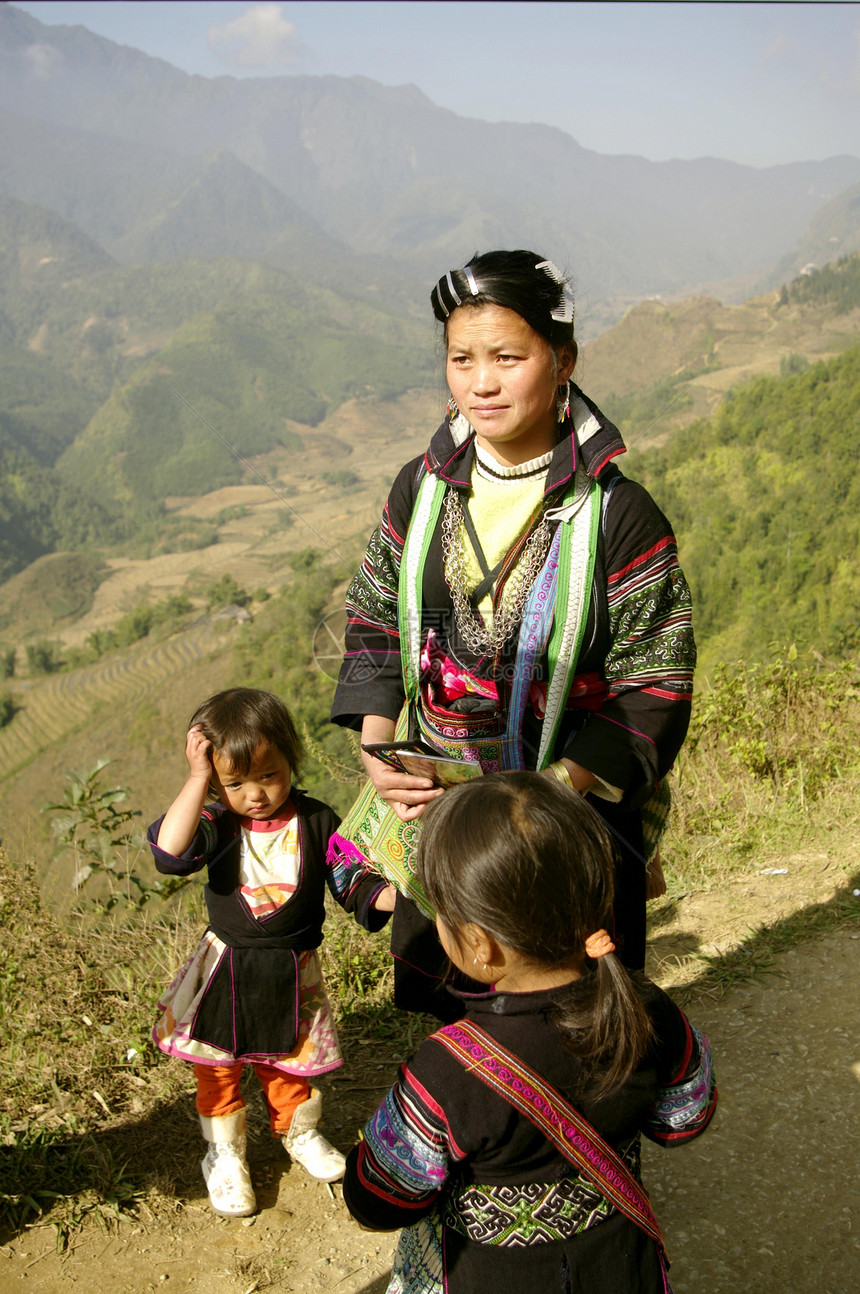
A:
(407, 795)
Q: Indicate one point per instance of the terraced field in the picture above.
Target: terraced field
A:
(50, 710)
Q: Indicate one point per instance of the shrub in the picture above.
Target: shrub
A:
(43, 657)
(226, 592)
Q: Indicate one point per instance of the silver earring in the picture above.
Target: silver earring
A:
(562, 402)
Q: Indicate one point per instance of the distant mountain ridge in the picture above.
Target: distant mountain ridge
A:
(379, 169)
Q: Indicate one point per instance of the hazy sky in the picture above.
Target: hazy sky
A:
(755, 83)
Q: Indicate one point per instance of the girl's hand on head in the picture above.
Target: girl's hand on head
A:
(198, 751)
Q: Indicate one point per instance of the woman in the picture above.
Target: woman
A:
(521, 596)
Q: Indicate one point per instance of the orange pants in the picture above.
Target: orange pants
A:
(218, 1092)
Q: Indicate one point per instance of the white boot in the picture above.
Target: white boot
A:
(308, 1147)
(225, 1169)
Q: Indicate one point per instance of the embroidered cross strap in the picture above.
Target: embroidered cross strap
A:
(561, 1124)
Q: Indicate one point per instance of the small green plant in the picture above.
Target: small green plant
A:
(7, 662)
(71, 1177)
(341, 479)
(7, 709)
(98, 833)
(768, 747)
(232, 513)
(793, 363)
(90, 824)
(784, 722)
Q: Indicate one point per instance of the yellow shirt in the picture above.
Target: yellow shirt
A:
(502, 502)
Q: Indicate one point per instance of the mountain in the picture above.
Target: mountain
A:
(40, 254)
(384, 171)
(234, 379)
(92, 437)
(226, 210)
(833, 232)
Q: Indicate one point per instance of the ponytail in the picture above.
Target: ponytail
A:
(606, 1027)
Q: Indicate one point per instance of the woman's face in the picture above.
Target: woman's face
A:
(504, 378)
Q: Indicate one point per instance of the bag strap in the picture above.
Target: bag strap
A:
(490, 576)
(579, 517)
(562, 1125)
(579, 520)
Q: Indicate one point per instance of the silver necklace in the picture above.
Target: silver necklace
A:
(506, 617)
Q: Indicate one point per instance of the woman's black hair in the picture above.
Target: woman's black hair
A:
(238, 720)
(530, 862)
(509, 279)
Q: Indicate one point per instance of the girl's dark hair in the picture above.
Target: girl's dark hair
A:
(236, 721)
(507, 279)
(527, 860)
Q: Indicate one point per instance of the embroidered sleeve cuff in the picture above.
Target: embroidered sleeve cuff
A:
(684, 1109)
(192, 860)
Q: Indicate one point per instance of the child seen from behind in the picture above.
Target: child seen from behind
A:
(508, 1148)
(252, 991)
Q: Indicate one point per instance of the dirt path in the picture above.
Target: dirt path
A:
(767, 1202)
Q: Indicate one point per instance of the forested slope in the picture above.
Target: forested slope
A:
(765, 500)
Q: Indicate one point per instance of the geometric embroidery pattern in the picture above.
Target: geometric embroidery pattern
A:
(532, 1214)
(518, 1216)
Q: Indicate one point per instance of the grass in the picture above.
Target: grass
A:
(73, 1177)
(771, 751)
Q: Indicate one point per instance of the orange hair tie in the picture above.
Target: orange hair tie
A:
(598, 945)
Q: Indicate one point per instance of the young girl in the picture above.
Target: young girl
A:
(508, 1147)
(252, 991)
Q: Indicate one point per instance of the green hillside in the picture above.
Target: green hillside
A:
(765, 500)
(236, 373)
(91, 438)
(668, 363)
